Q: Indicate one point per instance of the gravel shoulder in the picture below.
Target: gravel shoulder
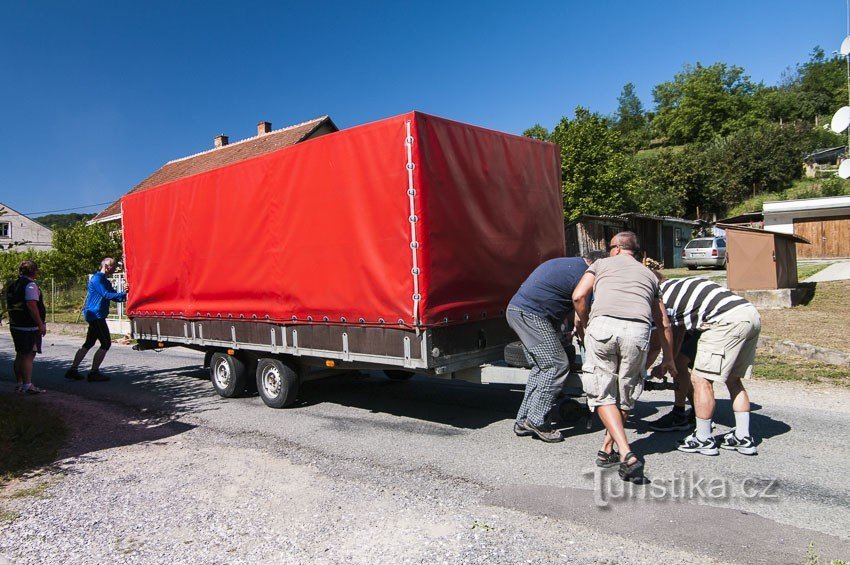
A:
(178, 493)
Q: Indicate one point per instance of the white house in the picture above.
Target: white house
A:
(823, 221)
(19, 233)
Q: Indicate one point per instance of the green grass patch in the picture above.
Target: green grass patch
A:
(8, 515)
(681, 272)
(792, 368)
(802, 188)
(31, 434)
(39, 491)
(805, 270)
(653, 152)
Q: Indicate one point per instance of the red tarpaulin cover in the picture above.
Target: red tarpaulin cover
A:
(321, 231)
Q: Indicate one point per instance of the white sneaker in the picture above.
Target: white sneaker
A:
(693, 445)
(746, 445)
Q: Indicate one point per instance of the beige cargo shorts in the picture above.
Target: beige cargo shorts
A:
(614, 361)
(727, 347)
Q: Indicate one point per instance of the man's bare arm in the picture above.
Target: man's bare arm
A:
(581, 302)
(665, 333)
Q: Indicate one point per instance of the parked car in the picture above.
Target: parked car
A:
(705, 252)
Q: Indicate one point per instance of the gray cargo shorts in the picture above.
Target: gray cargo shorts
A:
(614, 361)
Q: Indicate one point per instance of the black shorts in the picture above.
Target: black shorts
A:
(689, 346)
(26, 341)
(98, 331)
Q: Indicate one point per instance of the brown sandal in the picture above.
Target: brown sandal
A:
(607, 460)
(632, 472)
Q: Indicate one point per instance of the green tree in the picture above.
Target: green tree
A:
(702, 102)
(755, 160)
(811, 92)
(593, 165)
(824, 82)
(631, 120)
(537, 132)
(55, 221)
(79, 249)
(660, 184)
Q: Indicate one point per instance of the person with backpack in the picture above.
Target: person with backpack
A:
(25, 304)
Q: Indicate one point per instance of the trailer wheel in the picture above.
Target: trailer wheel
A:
(397, 375)
(228, 374)
(277, 383)
(515, 356)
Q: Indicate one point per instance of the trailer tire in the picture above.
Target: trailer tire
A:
(277, 383)
(227, 374)
(397, 375)
(515, 356)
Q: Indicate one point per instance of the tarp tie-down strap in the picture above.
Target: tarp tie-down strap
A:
(414, 244)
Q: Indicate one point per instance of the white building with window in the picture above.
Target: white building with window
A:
(19, 233)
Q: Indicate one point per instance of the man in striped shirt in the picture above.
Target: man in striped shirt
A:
(724, 332)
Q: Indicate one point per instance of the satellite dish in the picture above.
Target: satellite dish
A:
(841, 119)
(845, 46)
(844, 169)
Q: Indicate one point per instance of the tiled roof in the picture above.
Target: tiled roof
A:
(221, 156)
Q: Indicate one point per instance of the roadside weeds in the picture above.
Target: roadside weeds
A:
(31, 435)
(772, 367)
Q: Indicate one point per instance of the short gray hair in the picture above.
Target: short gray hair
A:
(628, 241)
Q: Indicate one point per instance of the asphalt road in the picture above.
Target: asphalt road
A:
(455, 439)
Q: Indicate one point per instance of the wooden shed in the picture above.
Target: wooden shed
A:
(759, 259)
(661, 237)
(592, 233)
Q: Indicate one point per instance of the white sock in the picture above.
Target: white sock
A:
(742, 424)
(703, 429)
(27, 386)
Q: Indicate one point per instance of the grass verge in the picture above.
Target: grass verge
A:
(805, 270)
(822, 322)
(772, 367)
(31, 434)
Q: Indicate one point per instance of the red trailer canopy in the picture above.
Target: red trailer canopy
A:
(413, 220)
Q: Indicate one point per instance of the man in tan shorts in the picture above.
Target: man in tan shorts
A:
(615, 333)
(722, 348)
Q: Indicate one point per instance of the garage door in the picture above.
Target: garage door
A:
(830, 237)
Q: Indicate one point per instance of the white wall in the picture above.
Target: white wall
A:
(21, 228)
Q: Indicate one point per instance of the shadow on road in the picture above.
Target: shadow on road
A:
(111, 414)
(452, 403)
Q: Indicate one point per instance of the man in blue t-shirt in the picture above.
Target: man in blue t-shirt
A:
(95, 311)
(536, 313)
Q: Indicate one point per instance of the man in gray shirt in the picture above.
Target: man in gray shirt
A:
(615, 332)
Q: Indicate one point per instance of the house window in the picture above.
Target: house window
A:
(5, 230)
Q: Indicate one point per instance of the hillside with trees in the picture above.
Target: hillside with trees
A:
(56, 221)
(713, 141)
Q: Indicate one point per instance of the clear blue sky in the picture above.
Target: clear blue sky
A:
(96, 95)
